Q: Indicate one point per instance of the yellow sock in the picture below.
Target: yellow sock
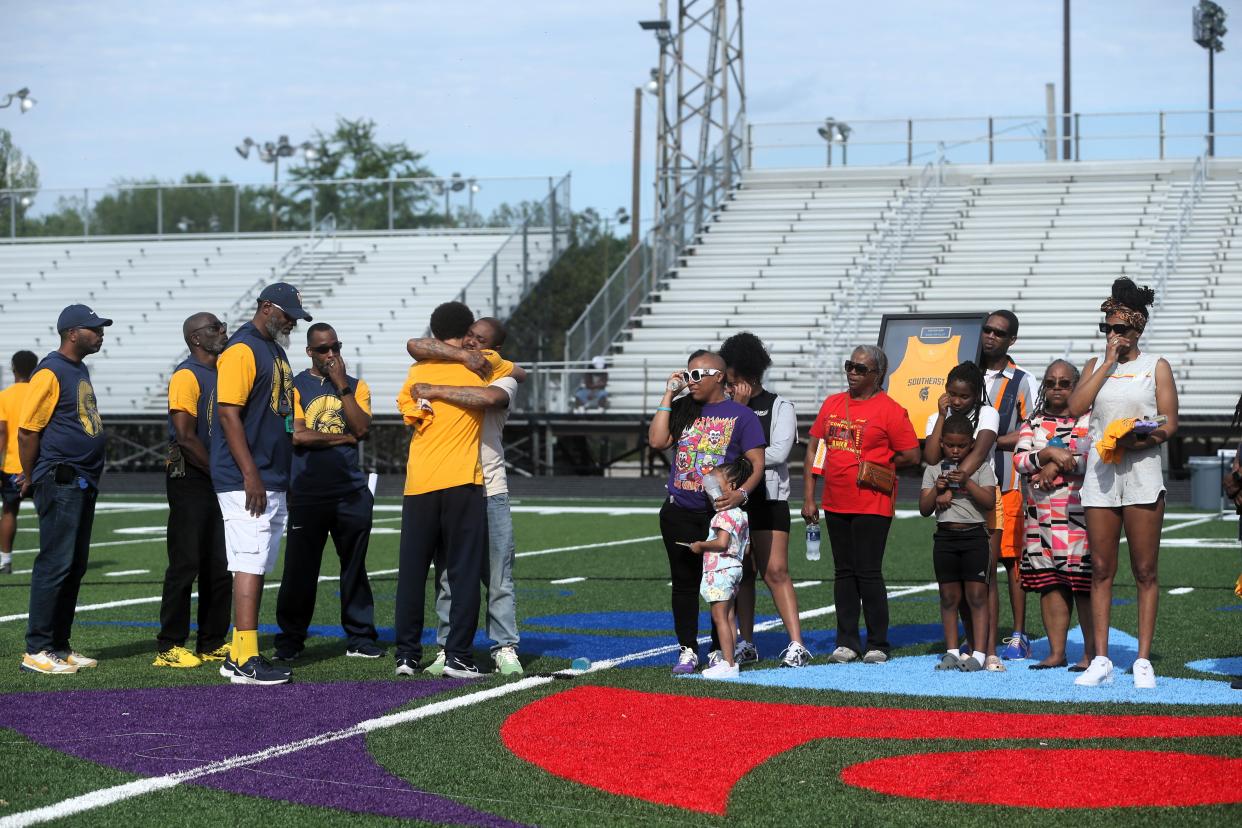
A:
(245, 645)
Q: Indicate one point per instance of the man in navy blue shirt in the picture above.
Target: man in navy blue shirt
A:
(61, 443)
(328, 494)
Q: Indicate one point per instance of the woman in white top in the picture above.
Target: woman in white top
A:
(1129, 492)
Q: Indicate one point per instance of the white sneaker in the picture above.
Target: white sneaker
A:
(875, 657)
(714, 658)
(746, 653)
(721, 670)
(795, 655)
(1098, 672)
(1144, 675)
(842, 655)
(78, 660)
(47, 662)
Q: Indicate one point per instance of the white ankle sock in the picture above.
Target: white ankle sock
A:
(955, 652)
(6, 558)
(977, 655)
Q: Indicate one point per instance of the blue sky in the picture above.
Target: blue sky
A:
(136, 89)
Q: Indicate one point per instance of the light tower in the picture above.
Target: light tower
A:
(701, 91)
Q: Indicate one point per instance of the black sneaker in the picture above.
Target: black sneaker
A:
(258, 670)
(406, 666)
(457, 668)
(228, 668)
(286, 654)
(366, 649)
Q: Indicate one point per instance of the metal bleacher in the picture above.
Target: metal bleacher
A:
(377, 291)
(1043, 240)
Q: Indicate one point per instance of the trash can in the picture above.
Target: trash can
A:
(1205, 477)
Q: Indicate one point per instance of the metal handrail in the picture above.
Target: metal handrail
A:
(884, 259)
(873, 133)
(1173, 239)
(638, 274)
(549, 207)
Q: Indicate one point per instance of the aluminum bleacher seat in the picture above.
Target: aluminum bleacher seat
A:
(1045, 240)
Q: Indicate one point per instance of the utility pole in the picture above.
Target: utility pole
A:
(1208, 20)
(1065, 79)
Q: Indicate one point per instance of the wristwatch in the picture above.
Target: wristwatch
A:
(349, 389)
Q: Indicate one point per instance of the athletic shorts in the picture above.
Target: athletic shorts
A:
(1013, 524)
(768, 515)
(10, 491)
(252, 544)
(996, 517)
(961, 554)
(720, 584)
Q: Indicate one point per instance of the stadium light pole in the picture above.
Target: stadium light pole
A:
(271, 153)
(834, 131)
(1065, 78)
(25, 103)
(1209, 30)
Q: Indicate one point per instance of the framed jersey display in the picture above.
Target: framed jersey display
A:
(922, 348)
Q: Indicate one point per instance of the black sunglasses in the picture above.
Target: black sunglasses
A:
(1058, 383)
(1119, 328)
(858, 368)
(214, 327)
(335, 348)
(1003, 334)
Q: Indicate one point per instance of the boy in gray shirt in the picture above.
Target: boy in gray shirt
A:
(960, 550)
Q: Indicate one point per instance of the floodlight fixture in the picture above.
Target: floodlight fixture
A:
(457, 184)
(828, 129)
(653, 86)
(622, 216)
(1209, 30)
(662, 28)
(25, 103)
(270, 152)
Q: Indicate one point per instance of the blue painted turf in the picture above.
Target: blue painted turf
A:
(917, 676)
(1222, 666)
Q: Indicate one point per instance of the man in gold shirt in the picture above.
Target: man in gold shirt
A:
(11, 400)
(444, 512)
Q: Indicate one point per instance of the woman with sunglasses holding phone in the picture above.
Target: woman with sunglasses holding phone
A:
(858, 440)
(1129, 492)
(708, 430)
(1050, 458)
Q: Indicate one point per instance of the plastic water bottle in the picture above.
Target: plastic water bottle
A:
(581, 663)
(1056, 442)
(712, 487)
(812, 541)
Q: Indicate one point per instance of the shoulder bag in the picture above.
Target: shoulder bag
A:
(874, 476)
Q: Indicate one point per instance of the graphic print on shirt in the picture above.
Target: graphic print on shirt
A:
(701, 448)
(88, 410)
(282, 387)
(324, 415)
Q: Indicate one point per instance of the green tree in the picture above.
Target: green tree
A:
(20, 179)
(353, 151)
(537, 327)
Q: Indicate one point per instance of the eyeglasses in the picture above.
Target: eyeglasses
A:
(1119, 328)
(858, 368)
(214, 327)
(697, 374)
(1003, 334)
(1058, 383)
(334, 347)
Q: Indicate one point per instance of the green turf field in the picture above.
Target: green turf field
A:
(619, 571)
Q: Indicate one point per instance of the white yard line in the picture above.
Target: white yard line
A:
(98, 545)
(568, 581)
(622, 542)
(125, 572)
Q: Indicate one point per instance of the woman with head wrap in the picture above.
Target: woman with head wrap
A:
(1126, 390)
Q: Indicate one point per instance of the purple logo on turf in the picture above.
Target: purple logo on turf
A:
(157, 731)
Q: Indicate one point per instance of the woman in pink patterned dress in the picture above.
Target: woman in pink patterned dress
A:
(1051, 456)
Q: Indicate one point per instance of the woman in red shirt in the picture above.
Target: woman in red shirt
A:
(862, 424)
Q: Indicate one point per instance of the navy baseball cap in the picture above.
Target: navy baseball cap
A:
(80, 316)
(286, 297)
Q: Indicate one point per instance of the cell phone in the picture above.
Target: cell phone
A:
(683, 543)
(1149, 424)
(946, 467)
